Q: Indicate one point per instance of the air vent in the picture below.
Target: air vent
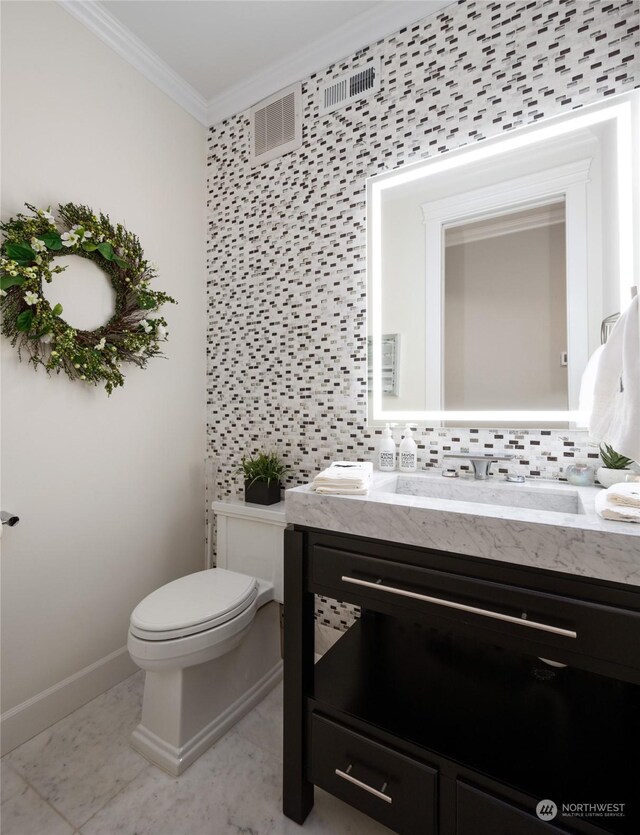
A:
(342, 91)
(276, 125)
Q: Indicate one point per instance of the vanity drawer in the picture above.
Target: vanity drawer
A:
(479, 813)
(531, 621)
(390, 787)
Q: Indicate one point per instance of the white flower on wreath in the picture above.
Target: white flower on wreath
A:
(76, 229)
(161, 332)
(69, 239)
(31, 298)
(101, 344)
(146, 326)
(46, 214)
(46, 338)
(37, 245)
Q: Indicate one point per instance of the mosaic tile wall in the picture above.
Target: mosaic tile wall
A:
(286, 254)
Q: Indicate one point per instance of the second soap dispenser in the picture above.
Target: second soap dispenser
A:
(408, 452)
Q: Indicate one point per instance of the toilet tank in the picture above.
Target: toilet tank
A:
(250, 540)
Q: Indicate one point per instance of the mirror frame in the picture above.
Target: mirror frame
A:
(623, 113)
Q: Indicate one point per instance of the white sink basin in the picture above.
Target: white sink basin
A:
(559, 499)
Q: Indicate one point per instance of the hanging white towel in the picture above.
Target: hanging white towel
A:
(615, 417)
(613, 512)
(587, 384)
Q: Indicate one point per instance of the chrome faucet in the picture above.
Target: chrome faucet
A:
(481, 463)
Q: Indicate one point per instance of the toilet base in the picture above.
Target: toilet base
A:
(187, 710)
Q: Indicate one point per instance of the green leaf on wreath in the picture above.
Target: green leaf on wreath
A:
(121, 262)
(147, 301)
(57, 310)
(7, 281)
(106, 250)
(24, 320)
(52, 240)
(21, 253)
(89, 247)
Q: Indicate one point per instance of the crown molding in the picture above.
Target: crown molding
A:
(365, 29)
(98, 20)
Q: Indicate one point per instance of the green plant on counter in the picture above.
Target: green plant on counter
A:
(612, 460)
(263, 466)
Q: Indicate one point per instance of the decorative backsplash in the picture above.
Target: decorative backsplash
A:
(287, 344)
(538, 453)
(287, 336)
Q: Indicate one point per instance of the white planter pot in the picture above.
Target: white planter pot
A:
(608, 477)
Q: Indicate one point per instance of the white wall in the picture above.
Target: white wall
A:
(109, 490)
(505, 321)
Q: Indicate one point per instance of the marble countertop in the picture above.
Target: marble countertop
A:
(457, 515)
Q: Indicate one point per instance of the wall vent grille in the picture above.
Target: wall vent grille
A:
(349, 88)
(276, 125)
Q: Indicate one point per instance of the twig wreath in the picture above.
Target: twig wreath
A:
(131, 335)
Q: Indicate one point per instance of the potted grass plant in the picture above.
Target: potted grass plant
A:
(615, 467)
(263, 474)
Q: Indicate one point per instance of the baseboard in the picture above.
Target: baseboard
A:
(20, 723)
(176, 760)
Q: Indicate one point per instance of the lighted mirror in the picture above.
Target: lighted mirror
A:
(491, 269)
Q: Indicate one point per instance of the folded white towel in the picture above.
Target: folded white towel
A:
(615, 513)
(348, 477)
(615, 418)
(340, 485)
(342, 491)
(346, 471)
(625, 493)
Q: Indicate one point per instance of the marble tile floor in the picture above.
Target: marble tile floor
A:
(80, 777)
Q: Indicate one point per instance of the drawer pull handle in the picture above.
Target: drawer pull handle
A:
(346, 776)
(545, 627)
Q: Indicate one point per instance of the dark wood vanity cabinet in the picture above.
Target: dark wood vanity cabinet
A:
(434, 714)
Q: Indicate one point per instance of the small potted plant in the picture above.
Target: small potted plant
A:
(263, 473)
(615, 467)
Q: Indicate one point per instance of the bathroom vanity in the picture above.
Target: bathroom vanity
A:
(434, 713)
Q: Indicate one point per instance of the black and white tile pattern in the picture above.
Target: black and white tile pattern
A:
(286, 254)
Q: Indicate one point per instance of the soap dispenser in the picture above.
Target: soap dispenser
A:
(387, 451)
(408, 452)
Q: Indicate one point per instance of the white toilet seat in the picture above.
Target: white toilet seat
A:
(193, 604)
(228, 611)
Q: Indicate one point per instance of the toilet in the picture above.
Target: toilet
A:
(210, 642)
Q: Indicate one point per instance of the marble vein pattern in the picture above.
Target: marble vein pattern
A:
(263, 725)
(24, 812)
(83, 760)
(575, 543)
(235, 787)
(534, 496)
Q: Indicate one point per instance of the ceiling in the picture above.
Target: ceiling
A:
(218, 57)
(215, 45)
